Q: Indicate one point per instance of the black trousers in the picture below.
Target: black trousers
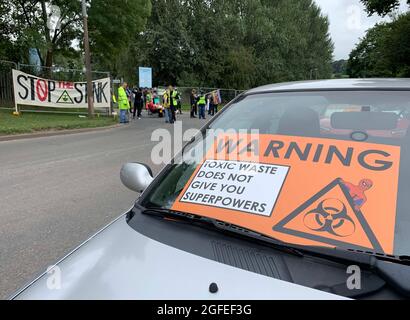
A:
(137, 107)
(193, 110)
(173, 111)
(211, 110)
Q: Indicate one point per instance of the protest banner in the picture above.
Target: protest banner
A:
(34, 91)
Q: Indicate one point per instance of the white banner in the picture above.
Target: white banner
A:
(35, 91)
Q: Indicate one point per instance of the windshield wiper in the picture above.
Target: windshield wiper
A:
(394, 270)
(222, 226)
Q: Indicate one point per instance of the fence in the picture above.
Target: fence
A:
(55, 73)
(226, 94)
(6, 84)
(75, 75)
(60, 73)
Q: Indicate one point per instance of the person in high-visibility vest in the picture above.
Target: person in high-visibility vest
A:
(178, 99)
(113, 101)
(201, 105)
(171, 103)
(166, 105)
(123, 103)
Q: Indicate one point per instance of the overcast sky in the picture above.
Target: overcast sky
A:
(348, 23)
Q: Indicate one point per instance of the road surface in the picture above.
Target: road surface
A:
(55, 192)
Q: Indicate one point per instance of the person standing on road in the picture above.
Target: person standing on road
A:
(201, 105)
(178, 99)
(215, 105)
(165, 103)
(138, 103)
(123, 104)
(192, 101)
(211, 105)
(144, 97)
(128, 90)
(173, 103)
(208, 104)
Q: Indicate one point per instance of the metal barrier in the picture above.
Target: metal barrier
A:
(6, 84)
(60, 73)
(226, 94)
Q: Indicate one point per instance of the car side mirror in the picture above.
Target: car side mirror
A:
(136, 176)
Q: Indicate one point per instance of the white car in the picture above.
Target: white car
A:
(289, 211)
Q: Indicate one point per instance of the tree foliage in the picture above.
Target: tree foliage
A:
(111, 24)
(29, 27)
(339, 68)
(235, 43)
(384, 51)
(213, 43)
(381, 7)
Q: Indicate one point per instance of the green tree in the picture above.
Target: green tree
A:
(368, 59)
(29, 26)
(6, 44)
(384, 51)
(396, 46)
(112, 24)
(339, 68)
(235, 43)
(381, 7)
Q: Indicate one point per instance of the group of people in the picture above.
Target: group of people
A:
(168, 104)
(200, 103)
(171, 100)
(130, 100)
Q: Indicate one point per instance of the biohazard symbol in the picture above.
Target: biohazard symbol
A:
(332, 217)
(65, 98)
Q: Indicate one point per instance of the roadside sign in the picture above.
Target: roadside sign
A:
(145, 77)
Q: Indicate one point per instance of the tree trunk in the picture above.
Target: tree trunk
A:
(49, 54)
(49, 58)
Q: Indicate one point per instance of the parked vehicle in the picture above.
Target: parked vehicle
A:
(291, 211)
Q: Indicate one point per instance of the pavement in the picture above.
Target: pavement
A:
(57, 191)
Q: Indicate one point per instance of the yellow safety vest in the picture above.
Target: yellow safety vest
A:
(166, 100)
(174, 98)
(123, 103)
(202, 100)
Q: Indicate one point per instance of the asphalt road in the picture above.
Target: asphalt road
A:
(55, 192)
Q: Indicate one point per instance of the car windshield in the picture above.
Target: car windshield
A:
(324, 168)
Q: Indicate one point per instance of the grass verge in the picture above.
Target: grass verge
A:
(34, 122)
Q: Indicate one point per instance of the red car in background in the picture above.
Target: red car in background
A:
(403, 122)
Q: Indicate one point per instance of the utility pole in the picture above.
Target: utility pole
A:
(90, 96)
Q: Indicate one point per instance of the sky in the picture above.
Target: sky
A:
(348, 23)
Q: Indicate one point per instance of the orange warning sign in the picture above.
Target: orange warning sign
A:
(331, 216)
(306, 191)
